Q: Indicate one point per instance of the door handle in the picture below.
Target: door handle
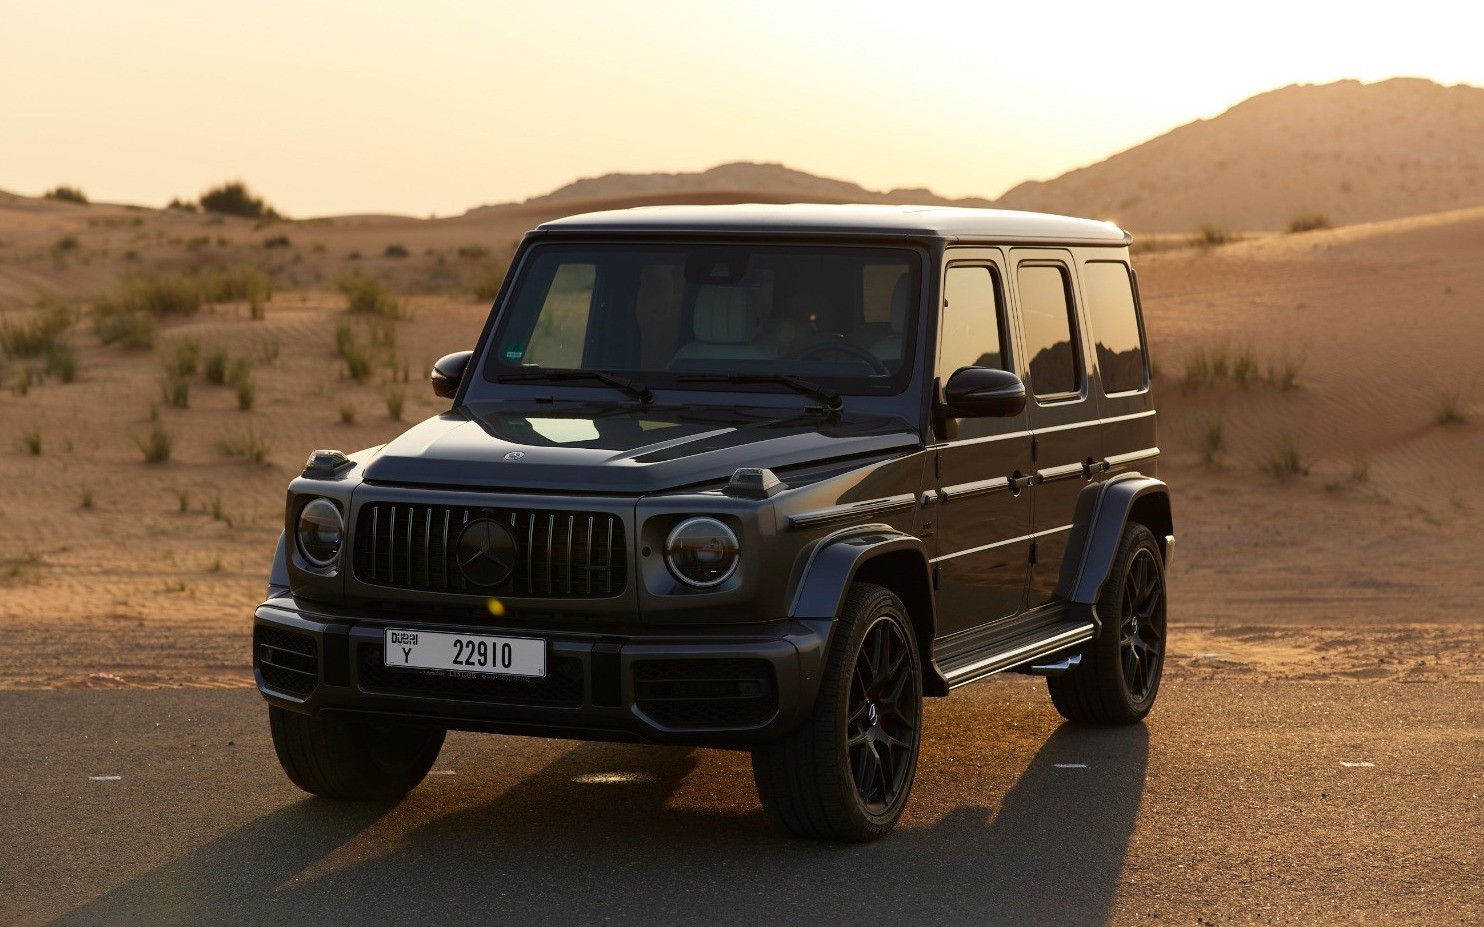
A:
(1018, 482)
(1095, 466)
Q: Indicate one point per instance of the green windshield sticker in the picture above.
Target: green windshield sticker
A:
(514, 353)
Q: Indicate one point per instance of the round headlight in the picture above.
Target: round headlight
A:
(321, 529)
(702, 552)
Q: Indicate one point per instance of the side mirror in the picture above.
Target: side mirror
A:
(448, 373)
(983, 392)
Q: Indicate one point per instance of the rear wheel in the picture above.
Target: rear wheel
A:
(845, 774)
(341, 759)
(1119, 675)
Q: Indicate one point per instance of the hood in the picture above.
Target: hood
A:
(620, 449)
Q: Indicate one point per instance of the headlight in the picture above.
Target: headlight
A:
(702, 552)
(321, 530)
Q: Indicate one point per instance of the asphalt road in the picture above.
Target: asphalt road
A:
(1239, 802)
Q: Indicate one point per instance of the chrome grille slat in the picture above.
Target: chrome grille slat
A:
(559, 554)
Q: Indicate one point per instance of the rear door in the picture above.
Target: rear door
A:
(1063, 414)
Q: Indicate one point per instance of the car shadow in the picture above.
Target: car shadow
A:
(645, 835)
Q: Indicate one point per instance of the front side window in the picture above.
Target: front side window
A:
(688, 316)
(1113, 321)
(1046, 312)
(971, 320)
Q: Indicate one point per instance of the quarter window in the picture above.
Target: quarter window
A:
(1114, 321)
(1046, 310)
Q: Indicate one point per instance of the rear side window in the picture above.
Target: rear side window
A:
(1114, 321)
(1046, 309)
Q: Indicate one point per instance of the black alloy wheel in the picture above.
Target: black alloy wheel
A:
(884, 716)
(1120, 671)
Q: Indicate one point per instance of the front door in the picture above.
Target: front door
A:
(982, 464)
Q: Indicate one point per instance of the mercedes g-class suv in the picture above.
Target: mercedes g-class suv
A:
(751, 477)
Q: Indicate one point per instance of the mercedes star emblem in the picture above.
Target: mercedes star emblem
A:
(486, 552)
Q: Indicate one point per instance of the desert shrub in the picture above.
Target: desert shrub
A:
(473, 252)
(277, 241)
(1220, 366)
(1197, 370)
(1307, 222)
(182, 357)
(66, 195)
(155, 295)
(40, 333)
(1212, 442)
(347, 413)
(1360, 469)
(1211, 236)
(237, 283)
(486, 279)
(1285, 374)
(395, 396)
(31, 441)
(1284, 459)
(214, 366)
(176, 390)
(1448, 408)
(181, 205)
(242, 384)
(369, 296)
(247, 446)
(127, 327)
(1244, 367)
(396, 251)
(23, 381)
(234, 199)
(156, 445)
(357, 361)
(61, 362)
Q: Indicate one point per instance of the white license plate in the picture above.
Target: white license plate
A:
(468, 653)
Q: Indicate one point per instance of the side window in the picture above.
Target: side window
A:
(1114, 323)
(1050, 343)
(561, 327)
(971, 320)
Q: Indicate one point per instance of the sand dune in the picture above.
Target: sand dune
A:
(110, 565)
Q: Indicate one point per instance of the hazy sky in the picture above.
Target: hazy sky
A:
(328, 107)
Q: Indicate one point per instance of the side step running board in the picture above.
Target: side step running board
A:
(1018, 652)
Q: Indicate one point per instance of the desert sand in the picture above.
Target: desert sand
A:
(1362, 563)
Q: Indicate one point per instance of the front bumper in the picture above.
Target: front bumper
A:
(731, 687)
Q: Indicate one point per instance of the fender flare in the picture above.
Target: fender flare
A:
(1119, 500)
(838, 558)
(278, 570)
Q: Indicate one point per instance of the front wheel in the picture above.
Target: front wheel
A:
(1121, 668)
(341, 759)
(845, 774)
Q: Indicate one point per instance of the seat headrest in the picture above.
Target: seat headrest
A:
(725, 315)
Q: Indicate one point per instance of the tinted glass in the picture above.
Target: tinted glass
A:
(841, 317)
(971, 329)
(1114, 325)
(1055, 365)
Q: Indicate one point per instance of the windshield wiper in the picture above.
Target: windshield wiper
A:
(824, 394)
(633, 387)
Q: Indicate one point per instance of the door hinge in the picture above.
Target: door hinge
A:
(938, 467)
(1033, 552)
(1035, 448)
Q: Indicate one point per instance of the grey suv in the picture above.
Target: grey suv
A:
(751, 477)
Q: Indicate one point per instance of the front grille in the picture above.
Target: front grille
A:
(560, 688)
(706, 693)
(558, 554)
(288, 661)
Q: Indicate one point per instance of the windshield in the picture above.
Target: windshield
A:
(735, 317)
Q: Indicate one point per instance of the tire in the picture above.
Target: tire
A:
(340, 759)
(845, 774)
(1119, 675)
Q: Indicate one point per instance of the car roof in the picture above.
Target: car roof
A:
(951, 223)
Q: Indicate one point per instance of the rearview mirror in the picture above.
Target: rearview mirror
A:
(448, 373)
(983, 392)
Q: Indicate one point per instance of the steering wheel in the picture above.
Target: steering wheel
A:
(854, 351)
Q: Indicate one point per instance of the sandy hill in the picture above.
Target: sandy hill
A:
(1347, 151)
(775, 182)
